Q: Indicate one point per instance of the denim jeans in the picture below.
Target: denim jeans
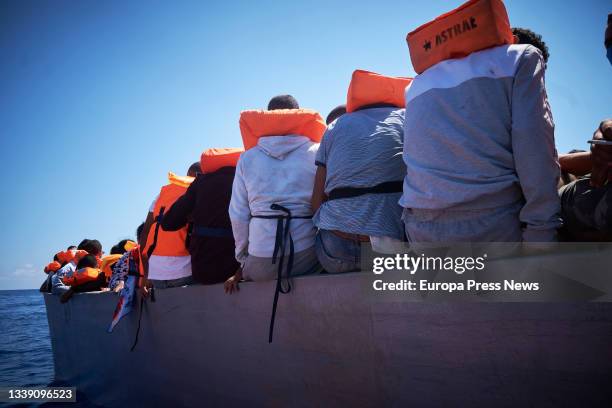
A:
(336, 254)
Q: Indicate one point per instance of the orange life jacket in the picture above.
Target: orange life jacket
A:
(368, 88)
(66, 256)
(168, 243)
(259, 123)
(212, 160)
(53, 267)
(81, 276)
(107, 263)
(129, 245)
(473, 26)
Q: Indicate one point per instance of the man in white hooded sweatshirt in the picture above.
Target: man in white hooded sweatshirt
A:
(271, 189)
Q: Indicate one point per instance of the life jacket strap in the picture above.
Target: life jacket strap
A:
(283, 234)
(212, 232)
(158, 220)
(383, 188)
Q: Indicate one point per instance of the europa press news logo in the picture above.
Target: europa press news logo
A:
(456, 30)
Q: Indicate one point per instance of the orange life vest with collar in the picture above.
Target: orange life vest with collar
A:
(168, 243)
(81, 276)
(471, 27)
(259, 123)
(369, 88)
(213, 159)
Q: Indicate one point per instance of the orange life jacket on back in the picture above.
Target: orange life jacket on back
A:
(213, 159)
(471, 27)
(168, 243)
(369, 88)
(107, 263)
(259, 123)
(53, 267)
(81, 276)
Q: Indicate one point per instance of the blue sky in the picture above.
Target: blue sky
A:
(99, 100)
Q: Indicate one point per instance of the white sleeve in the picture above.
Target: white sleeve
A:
(240, 215)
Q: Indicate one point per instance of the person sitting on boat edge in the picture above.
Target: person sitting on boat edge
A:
(359, 174)
(270, 207)
(86, 278)
(59, 260)
(586, 203)
(167, 262)
(205, 205)
(481, 162)
(129, 263)
(109, 261)
(87, 246)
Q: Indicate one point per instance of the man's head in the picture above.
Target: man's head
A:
(283, 102)
(526, 36)
(608, 38)
(194, 169)
(92, 246)
(88, 261)
(335, 113)
(71, 247)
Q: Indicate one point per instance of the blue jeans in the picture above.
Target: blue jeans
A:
(336, 254)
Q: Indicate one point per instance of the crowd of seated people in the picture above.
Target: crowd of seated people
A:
(404, 160)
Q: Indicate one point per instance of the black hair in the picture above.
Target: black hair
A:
(526, 36)
(335, 113)
(92, 246)
(194, 169)
(119, 248)
(139, 231)
(283, 102)
(71, 247)
(55, 258)
(88, 261)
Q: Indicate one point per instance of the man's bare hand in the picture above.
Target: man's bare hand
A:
(601, 155)
(231, 284)
(145, 288)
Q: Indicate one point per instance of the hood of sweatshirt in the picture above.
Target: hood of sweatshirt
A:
(279, 147)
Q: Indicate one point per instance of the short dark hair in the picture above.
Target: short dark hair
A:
(194, 169)
(526, 36)
(335, 113)
(119, 248)
(283, 102)
(71, 247)
(88, 261)
(92, 246)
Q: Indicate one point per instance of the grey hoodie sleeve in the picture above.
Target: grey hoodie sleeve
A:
(240, 215)
(533, 145)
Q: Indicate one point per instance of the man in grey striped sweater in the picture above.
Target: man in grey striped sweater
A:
(360, 152)
(480, 151)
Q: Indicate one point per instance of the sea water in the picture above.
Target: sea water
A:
(26, 359)
(25, 346)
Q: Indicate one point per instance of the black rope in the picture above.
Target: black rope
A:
(158, 220)
(139, 320)
(283, 233)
